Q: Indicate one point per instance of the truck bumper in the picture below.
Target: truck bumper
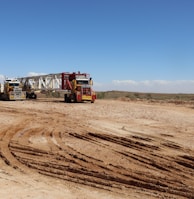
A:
(17, 96)
(88, 98)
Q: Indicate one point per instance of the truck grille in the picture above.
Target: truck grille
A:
(86, 91)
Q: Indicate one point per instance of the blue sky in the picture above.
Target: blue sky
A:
(134, 45)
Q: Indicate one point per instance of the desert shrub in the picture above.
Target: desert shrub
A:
(100, 95)
(136, 95)
(148, 96)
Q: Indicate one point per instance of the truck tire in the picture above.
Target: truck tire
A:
(67, 99)
(75, 98)
(33, 96)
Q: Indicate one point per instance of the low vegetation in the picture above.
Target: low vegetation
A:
(145, 96)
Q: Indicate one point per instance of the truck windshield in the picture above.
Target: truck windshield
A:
(13, 84)
(82, 81)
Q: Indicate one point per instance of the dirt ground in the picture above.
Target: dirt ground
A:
(111, 149)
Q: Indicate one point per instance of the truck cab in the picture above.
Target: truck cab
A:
(79, 87)
(12, 90)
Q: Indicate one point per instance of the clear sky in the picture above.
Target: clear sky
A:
(134, 45)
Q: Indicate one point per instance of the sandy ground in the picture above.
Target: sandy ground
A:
(111, 149)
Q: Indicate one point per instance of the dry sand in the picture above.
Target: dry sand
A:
(111, 149)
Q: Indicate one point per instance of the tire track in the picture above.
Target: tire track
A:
(68, 164)
(59, 147)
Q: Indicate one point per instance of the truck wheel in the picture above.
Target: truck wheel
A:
(65, 98)
(27, 95)
(33, 96)
(75, 98)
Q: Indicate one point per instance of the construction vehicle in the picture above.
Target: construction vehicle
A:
(77, 87)
(11, 89)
